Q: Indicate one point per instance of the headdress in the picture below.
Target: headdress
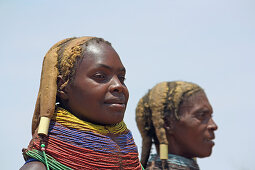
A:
(60, 59)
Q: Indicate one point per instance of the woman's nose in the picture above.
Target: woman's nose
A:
(212, 125)
(116, 85)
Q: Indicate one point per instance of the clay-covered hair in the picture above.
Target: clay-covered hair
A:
(153, 111)
(61, 60)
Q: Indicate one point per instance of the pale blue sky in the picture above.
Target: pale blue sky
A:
(210, 43)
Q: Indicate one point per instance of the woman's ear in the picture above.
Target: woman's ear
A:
(62, 88)
(169, 126)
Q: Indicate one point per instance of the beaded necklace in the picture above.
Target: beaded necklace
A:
(76, 144)
(175, 162)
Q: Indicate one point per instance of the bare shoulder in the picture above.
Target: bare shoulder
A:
(33, 166)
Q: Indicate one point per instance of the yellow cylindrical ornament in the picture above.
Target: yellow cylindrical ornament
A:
(44, 126)
(163, 151)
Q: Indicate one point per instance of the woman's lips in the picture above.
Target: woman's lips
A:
(210, 141)
(116, 104)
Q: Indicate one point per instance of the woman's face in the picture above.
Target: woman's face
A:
(193, 134)
(98, 93)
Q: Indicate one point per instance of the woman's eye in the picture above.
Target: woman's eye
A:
(204, 115)
(99, 76)
(201, 115)
(122, 79)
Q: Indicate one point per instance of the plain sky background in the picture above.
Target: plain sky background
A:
(211, 43)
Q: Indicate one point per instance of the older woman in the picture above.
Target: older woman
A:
(177, 117)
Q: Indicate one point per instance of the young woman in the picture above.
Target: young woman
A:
(177, 118)
(78, 117)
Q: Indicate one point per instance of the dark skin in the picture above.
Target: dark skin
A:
(192, 135)
(97, 93)
(34, 166)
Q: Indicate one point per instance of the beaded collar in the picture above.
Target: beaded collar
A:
(76, 144)
(175, 162)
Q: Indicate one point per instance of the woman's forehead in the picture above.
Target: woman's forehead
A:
(196, 97)
(196, 101)
(94, 48)
(101, 53)
(100, 57)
